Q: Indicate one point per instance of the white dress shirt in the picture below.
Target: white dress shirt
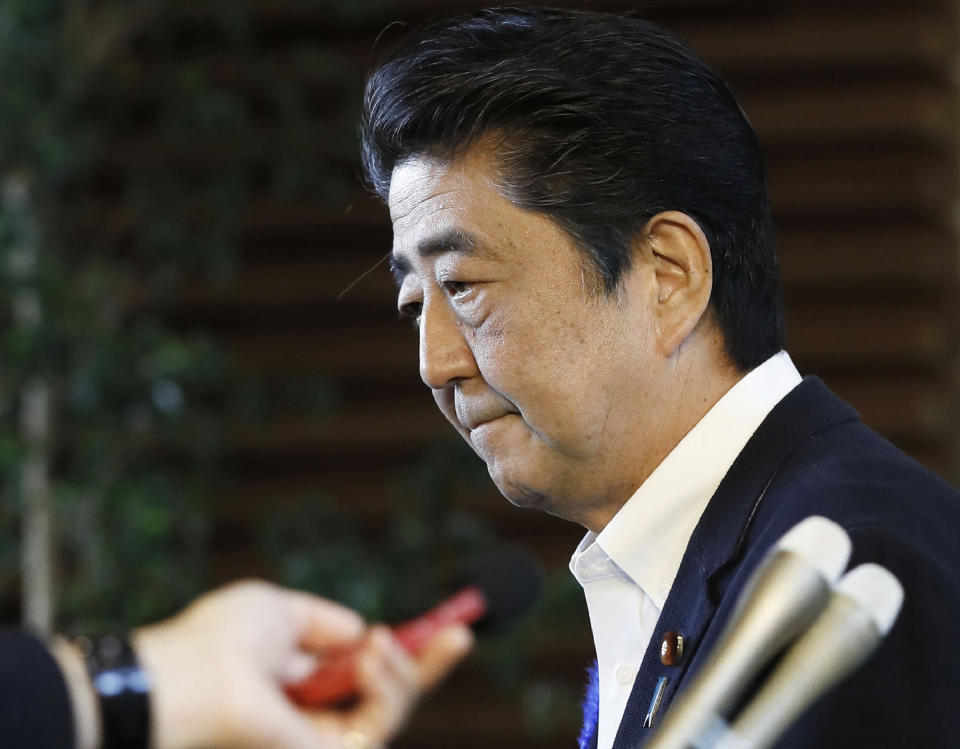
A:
(627, 570)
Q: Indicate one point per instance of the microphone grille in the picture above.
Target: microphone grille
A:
(876, 591)
(821, 543)
(510, 582)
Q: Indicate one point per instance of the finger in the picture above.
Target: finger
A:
(321, 624)
(442, 653)
(403, 668)
(387, 686)
(390, 681)
(281, 726)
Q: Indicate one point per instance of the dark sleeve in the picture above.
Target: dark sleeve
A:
(908, 693)
(35, 709)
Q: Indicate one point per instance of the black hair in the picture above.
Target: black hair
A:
(600, 122)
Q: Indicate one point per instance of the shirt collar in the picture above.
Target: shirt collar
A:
(646, 539)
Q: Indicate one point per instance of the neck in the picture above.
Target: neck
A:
(687, 389)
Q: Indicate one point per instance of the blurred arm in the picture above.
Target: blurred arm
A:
(218, 668)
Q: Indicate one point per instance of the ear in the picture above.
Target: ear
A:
(679, 254)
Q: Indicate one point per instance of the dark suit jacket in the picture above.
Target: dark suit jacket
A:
(34, 704)
(813, 456)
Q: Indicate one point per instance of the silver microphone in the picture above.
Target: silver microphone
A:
(861, 611)
(786, 592)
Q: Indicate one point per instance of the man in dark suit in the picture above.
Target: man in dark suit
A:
(582, 236)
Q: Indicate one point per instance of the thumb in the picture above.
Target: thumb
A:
(321, 624)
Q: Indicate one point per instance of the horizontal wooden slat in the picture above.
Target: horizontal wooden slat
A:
(913, 257)
(321, 277)
(387, 349)
(835, 110)
(775, 42)
(900, 405)
(887, 182)
(359, 427)
(903, 331)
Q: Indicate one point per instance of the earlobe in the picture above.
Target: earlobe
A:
(679, 253)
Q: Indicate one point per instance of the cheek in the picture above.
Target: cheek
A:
(544, 382)
(501, 350)
(563, 380)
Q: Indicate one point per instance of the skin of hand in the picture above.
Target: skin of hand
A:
(218, 668)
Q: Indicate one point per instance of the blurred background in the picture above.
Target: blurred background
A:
(202, 373)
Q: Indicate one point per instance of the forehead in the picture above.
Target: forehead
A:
(422, 182)
(430, 197)
(440, 206)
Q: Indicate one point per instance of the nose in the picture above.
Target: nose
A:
(445, 356)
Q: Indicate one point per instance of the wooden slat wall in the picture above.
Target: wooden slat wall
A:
(856, 103)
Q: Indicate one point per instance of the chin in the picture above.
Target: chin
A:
(522, 494)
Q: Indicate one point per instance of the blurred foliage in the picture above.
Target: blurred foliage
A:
(99, 234)
(132, 151)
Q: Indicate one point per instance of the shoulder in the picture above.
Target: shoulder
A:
(852, 475)
(902, 516)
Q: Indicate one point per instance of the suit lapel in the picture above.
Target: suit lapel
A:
(716, 545)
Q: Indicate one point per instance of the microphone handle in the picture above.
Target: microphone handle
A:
(465, 607)
(335, 679)
(841, 639)
(780, 601)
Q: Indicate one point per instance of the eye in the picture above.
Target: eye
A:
(455, 288)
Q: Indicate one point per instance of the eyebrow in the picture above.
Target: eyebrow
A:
(452, 240)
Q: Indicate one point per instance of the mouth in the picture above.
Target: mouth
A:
(471, 416)
(480, 421)
(471, 425)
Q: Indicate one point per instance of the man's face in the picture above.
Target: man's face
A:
(536, 372)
